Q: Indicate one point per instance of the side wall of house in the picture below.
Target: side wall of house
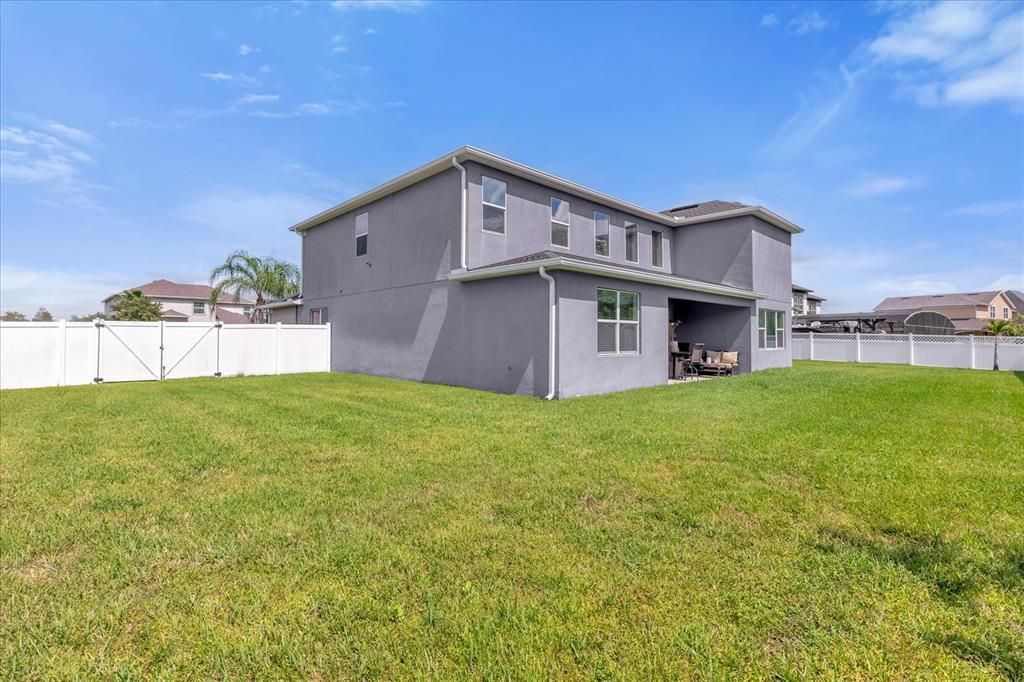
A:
(772, 275)
(748, 253)
(393, 312)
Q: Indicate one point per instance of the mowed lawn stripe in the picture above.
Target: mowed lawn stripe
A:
(829, 520)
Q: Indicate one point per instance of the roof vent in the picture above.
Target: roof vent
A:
(683, 208)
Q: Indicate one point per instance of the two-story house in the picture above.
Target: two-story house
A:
(970, 312)
(479, 271)
(805, 302)
(189, 303)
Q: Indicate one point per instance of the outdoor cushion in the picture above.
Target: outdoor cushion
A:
(731, 357)
(714, 357)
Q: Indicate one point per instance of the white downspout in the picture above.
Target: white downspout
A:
(552, 331)
(462, 208)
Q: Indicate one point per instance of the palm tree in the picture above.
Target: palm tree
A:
(267, 279)
(997, 328)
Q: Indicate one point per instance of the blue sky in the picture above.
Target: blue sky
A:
(149, 140)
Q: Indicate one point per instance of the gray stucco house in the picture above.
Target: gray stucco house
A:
(478, 271)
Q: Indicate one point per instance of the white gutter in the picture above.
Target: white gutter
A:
(552, 331)
(604, 270)
(462, 208)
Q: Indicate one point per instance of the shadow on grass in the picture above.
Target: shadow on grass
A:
(954, 576)
(1001, 654)
(944, 566)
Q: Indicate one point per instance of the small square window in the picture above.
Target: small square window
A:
(198, 308)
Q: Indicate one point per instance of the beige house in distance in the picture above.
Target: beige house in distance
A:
(970, 312)
(189, 303)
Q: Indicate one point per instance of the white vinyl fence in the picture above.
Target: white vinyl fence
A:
(66, 353)
(966, 352)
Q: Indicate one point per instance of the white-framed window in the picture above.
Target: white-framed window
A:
(771, 329)
(992, 311)
(247, 310)
(656, 257)
(632, 237)
(362, 233)
(1006, 313)
(494, 204)
(602, 227)
(318, 316)
(559, 222)
(198, 307)
(618, 322)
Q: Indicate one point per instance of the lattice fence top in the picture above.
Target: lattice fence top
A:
(918, 338)
(889, 338)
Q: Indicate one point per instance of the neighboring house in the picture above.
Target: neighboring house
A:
(189, 303)
(478, 271)
(287, 312)
(970, 312)
(805, 302)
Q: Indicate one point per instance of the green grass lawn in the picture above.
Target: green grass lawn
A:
(826, 521)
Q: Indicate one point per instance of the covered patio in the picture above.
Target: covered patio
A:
(713, 328)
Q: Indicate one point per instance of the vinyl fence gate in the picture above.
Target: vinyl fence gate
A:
(67, 353)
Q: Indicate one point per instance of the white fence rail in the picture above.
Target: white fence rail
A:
(63, 353)
(967, 352)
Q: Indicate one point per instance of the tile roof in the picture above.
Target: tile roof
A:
(162, 288)
(173, 315)
(230, 317)
(704, 208)
(545, 255)
(972, 298)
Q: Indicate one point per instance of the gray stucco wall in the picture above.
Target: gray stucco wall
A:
(528, 225)
(744, 252)
(395, 313)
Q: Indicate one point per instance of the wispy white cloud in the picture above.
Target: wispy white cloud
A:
(810, 21)
(817, 110)
(339, 49)
(956, 53)
(993, 209)
(769, 20)
(369, 31)
(314, 108)
(258, 99)
(911, 286)
(391, 5)
(218, 76)
(34, 156)
(877, 185)
(245, 49)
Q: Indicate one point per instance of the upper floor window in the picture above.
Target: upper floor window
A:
(632, 251)
(494, 204)
(656, 258)
(991, 311)
(198, 308)
(601, 229)
(362, 233)
(771, 329)
(559, 222)
(618, 322)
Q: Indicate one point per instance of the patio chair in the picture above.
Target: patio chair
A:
(693, 362)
